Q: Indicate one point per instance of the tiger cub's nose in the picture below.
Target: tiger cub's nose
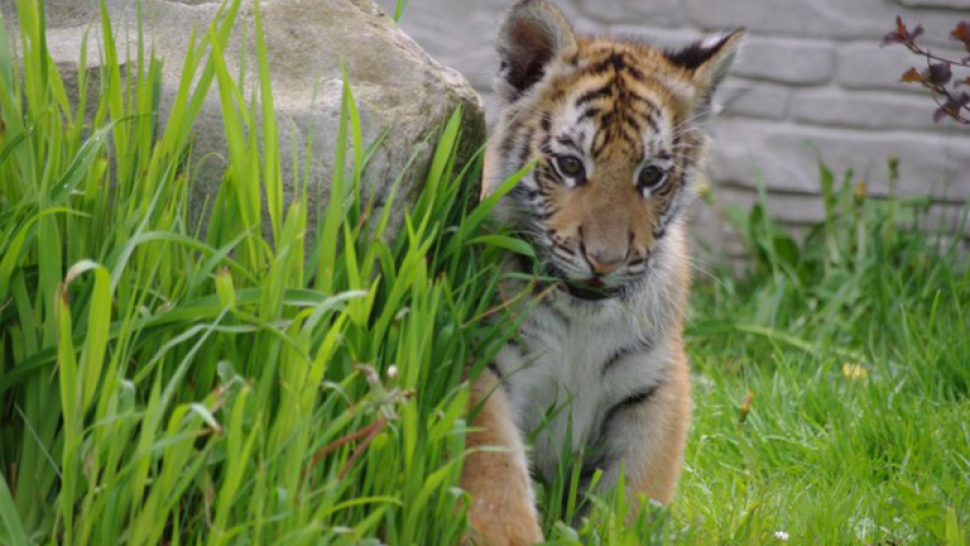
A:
(603, 263)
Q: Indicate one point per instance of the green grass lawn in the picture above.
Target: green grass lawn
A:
(851, 358)
(241, 387)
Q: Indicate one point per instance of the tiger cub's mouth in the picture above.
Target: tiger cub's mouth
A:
(590, 289)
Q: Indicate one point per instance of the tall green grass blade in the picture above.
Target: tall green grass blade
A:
(399, 8)
(327, 238)
(13, 529)
(273, 181)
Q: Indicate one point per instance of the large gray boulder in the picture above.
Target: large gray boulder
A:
(397, 86)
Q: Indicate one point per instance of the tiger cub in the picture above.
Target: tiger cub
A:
(612, 127)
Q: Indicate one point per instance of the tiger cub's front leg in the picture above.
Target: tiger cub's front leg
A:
(502, 510)
(658, 430)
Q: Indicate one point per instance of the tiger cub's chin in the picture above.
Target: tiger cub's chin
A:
(612, 131)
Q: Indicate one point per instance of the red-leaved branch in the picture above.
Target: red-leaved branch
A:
(951, 93)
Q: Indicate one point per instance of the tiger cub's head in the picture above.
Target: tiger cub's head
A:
(613, 129)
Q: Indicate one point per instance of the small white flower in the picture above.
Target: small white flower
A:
(781, 535)
(392, 371)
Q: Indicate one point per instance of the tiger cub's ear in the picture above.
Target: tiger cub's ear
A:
(533, 33)
(708, 63)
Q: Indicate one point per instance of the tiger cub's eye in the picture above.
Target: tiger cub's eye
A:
(650, 177)
(570, 167)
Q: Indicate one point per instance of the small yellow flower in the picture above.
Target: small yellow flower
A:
(745, 407)
(854, 372)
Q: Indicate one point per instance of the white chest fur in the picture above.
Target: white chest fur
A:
(576, 360)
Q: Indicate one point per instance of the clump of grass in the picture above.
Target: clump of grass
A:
(832, 399)
(158, 387)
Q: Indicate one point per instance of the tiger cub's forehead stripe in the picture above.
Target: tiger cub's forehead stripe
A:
(617, 91)
(622, 118)
(604, 92)
(619, 101)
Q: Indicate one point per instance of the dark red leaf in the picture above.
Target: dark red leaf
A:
(952, 106)
(938, 74)
(901, 28)
(891, 38)
(961, 33)
(916, 33)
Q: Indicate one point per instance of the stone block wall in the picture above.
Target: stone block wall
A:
(811, 84)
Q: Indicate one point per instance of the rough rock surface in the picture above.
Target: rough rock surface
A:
(396, 85)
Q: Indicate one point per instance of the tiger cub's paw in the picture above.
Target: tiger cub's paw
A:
(502, 524)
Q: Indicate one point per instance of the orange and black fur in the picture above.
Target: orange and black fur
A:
(613, 129)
